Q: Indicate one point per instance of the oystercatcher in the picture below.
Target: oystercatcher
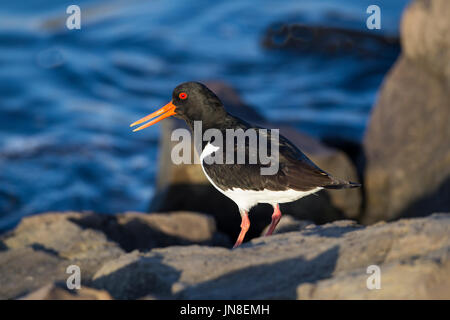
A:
(296, 177)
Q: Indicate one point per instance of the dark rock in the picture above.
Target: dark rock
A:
(303, 38)
(407, 145)
(317, 262)
(175, 182)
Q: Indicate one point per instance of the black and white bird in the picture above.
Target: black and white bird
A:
(296, 177)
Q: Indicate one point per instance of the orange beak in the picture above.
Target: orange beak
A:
(166, 111)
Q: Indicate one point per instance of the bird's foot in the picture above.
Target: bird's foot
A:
(245, 225)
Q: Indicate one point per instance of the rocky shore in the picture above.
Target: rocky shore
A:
(307, 262)
(400, 220)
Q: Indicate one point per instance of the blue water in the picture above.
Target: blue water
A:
(68, 96)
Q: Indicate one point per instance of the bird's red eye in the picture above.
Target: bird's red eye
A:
(182, 95)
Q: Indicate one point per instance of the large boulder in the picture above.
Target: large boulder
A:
(133, 230)
(39, 250)
(69, 233)
(407, 148)
(425, 27)
(317, 262)
(185, 187)
(59, 236)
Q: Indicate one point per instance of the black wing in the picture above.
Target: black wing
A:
(295, 170)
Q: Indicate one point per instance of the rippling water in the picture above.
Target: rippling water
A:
(67, 97)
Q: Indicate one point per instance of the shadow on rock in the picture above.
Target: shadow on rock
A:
(281, 279)
(436, 201)
(137, 233)
(133, 277)
(40, 247)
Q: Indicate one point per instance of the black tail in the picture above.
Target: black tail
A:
(341, 184)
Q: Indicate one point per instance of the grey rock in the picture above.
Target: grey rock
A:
(59, 291)
(317, 262)
(140, 231)
(135, 275)
(24, 269)
(75, 235)
(406, 145)
(289, 224)
(425, 27)
(38, 252)
(424, 279)
(59, 235)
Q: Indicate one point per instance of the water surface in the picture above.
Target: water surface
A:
(68, 96)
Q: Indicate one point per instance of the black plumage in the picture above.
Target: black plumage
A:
(296, 170)
(297, 175)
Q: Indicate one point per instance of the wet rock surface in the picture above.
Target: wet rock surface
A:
(313, 262)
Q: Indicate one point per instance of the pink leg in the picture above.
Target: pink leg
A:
(276, 216)
(245, 225)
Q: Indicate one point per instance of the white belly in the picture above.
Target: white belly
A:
(246, 199)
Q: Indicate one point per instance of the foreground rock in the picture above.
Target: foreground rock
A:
(176, 181)
(407, 145)
(288, 224)
(319, 262)
(40, 249)
(59, 291)
(26, 269)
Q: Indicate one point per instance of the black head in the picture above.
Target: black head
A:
(195, 102)
(191, 101)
